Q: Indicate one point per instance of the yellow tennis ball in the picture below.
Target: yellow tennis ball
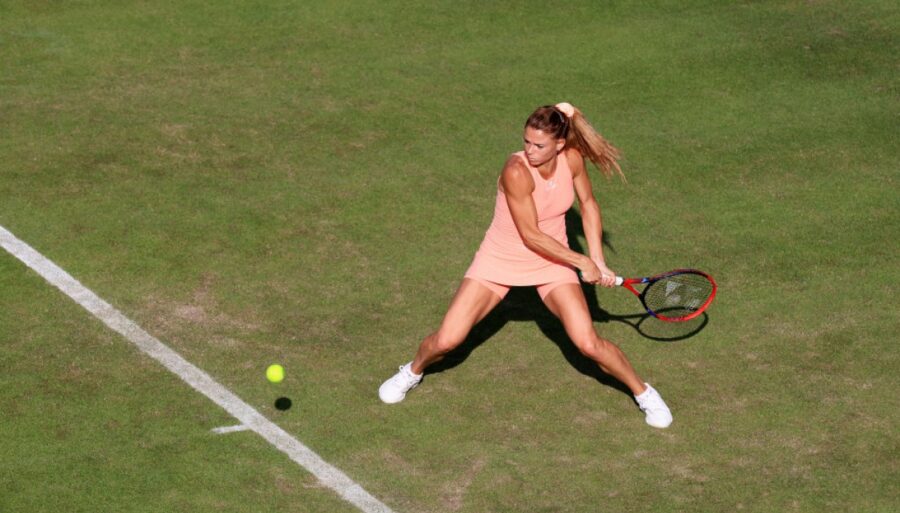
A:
(275, 373)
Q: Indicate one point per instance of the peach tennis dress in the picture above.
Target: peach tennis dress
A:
(502, 259)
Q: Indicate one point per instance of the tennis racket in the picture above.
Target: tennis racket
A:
(675, 296)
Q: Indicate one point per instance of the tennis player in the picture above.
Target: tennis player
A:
(526, 245)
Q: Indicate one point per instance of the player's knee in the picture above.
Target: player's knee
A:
(593, 346)
(446, 341)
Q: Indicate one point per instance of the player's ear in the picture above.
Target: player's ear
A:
(560, 144)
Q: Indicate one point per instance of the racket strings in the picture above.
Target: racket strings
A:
(678, 295)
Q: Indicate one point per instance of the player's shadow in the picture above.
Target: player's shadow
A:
(524, 304)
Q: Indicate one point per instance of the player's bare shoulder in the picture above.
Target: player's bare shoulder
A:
(575, 160)
(515, 176)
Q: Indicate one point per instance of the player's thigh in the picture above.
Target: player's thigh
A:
(567, 303)
(472, 302)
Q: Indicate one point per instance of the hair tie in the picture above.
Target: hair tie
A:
(566, 108)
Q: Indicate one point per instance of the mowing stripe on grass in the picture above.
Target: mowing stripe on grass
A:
(327, 474)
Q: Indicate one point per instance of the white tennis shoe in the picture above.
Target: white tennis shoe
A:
(652, 404)
(394, 389)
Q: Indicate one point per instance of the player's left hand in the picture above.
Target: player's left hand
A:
(607, 276)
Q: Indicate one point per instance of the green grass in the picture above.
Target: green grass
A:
(305, 183)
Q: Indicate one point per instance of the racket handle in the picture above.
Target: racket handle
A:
(619, 280)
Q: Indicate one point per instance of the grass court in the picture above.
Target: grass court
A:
(305, 183)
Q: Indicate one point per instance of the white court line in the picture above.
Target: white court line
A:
(327, 474)
(230, 429)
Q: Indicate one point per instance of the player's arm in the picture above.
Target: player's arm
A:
(517, 184)
(591, 218)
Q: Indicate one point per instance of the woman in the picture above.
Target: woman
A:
(526, 244)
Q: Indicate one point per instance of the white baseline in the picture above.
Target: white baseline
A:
(326, 473)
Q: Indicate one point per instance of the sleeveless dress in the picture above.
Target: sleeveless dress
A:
(503, 258)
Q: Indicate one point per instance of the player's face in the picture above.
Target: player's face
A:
(541, 147)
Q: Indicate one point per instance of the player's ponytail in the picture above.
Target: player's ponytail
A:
(566, 122)
(593, 145)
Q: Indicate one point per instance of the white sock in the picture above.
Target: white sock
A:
(644, 393)
(409, 369)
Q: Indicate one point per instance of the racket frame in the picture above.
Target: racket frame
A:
(629, 283)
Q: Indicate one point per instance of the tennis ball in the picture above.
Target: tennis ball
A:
(275, 373)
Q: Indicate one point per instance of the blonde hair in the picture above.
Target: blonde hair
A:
(579, 134)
